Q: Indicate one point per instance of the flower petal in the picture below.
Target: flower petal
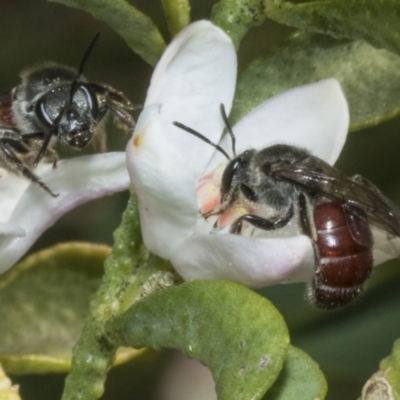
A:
(254, 262)
(76, 181)
(315, 117)
(195, 75)
(183, 376)
(166, 191)
(12, 187)
(7, 229)
(386, 247)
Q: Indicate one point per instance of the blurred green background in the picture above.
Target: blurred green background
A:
(347, 344)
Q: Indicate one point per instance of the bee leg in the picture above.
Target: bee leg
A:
(260, 222)
(34, 141)
(123, 119)
(99, 141)
(306, 225)
(117, 103)
(304, 217)
(225, 205)
(53, 156)
(216, 211)
(16, 165)
(308, 229)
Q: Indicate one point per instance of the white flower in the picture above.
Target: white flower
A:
(26, 210)
(183, 376)
(173, 170)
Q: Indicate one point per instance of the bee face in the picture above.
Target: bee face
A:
(56, 103)
(75, 118)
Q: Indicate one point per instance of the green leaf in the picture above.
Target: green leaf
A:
(236, 333)
(348, 352)
(138, 30)
(7, 391)
(177, 13)
(300, 379)
(376, 22)
(44, 301)
(369, 77)
(236, 17)
(385, 384)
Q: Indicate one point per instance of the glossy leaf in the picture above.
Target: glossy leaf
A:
(7, 390)
(236, 333)
(44, 301)
(138, 30)
(376, 22)
(370, 78)
(300, 379)
(236, 17)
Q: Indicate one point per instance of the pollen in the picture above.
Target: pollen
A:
(230, 216)
(208, 189)
(208, 197)
(137, 140)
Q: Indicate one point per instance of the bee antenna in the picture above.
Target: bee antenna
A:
(87, 54)
(228, 128)
(46, 142)
(82, 65)
(202, 137)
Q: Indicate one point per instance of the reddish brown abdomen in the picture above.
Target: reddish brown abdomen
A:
(344, 259)
(6, 116)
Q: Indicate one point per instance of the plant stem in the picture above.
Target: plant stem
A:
(126, 271)
(177, 13)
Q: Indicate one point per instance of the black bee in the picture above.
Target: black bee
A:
(336, 211)
(55, 102)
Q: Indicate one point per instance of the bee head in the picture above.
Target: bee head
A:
(70, 117)
(236, 172)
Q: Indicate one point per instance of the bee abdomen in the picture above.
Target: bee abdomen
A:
(329, 297)
(343, 253)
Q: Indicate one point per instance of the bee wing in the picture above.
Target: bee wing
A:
(320, 179)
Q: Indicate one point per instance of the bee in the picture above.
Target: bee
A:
(337, 212)
(56, 103)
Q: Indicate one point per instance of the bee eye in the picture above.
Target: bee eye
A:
(228, 175)
(42, 115)
(249, 193)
